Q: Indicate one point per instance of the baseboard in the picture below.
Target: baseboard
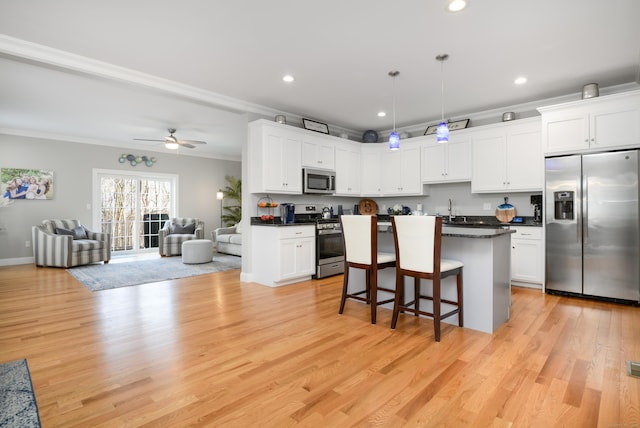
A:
(17, 261)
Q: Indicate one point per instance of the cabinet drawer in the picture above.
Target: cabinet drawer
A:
(288, 232)
(533, 232)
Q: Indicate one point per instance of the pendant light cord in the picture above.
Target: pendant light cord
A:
(394, 103)
(442, 89)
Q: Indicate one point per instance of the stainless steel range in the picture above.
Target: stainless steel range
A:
(329, 248)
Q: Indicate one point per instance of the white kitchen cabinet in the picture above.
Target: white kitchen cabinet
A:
(318, 152)
(527, 256)
(347, 157)
(508, 157)
(391, 172)
(371, 174)
(274, 158)
(593, 124)
(447, 162)
(283, 254)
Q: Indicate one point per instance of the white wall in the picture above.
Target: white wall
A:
(72, 165)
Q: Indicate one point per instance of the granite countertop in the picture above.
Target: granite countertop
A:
(255, 221)
(459, 231)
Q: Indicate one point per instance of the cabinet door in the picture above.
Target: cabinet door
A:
(458, 160)
(371, 183)
(347, 170)
(489, 163)
(565, 131)
(297, 258)
(615, 127)
(317, 153)
(526, 260)
(391, 171)
(433, 163)
(525, 165)
(282, 170)
(410, 183)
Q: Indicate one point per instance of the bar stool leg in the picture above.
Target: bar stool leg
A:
(436, 308)
(460, 311)
(373, 278)
(397, 300)
(345, 283)
(416, 291)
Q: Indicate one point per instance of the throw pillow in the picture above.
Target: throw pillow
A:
(187, 229)
(63, 231)
(79, 233)
(238, 227)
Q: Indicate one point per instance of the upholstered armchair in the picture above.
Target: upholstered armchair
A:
(228, 239)
(176, 231)
(67, 243)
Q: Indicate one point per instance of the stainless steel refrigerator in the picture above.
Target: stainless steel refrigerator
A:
(593, 225)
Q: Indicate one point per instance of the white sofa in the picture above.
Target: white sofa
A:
(228, 240)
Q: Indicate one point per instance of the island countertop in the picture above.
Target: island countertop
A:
(459, 231)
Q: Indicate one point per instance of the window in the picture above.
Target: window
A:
(133, 207)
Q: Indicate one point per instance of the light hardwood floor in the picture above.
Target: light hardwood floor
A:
(212, 351)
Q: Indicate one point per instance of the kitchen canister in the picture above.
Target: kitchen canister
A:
(590, 90)
(510, 115)
(281, 119)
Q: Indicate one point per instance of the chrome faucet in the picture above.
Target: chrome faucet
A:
(451, 216)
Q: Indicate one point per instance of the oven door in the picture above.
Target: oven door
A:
(329, 253)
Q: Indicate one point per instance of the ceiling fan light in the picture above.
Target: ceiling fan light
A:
(171, 146)
(442, 133)
(394, 141)
(457, 5)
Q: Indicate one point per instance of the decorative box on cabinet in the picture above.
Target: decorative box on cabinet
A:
(274, 158)
(508, 157)
(593, 124)
(527, 256)
(447, 163)
(347, 169)
(283, 254)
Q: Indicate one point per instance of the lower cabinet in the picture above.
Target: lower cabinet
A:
(283, 254)
(527, 256)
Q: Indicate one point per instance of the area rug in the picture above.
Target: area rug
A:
(18, 407)
(97, 277)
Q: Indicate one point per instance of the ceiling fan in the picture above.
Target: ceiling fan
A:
(171, 142)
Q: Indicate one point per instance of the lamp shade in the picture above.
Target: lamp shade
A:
(394, 141)
(442, 133)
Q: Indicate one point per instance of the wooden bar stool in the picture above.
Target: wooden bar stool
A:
(360, 235)
(418, 241)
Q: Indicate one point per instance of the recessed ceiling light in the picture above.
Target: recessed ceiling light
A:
(381, 114)
(520, 80)
(288, 78)
(457, 5)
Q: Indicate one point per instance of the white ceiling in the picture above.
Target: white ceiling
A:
(108, 72)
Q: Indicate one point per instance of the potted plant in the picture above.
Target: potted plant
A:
(233, 192)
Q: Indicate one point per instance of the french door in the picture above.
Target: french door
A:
(132, 207)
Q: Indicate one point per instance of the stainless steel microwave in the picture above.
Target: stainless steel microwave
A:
(318, 181)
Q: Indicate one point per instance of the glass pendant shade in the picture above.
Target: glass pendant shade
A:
(442, 133)
(394, 141)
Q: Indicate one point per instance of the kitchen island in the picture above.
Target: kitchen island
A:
(486, 254)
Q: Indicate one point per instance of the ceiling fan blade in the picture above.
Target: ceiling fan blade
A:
(145, 139)
(193, 142)
(184, 144)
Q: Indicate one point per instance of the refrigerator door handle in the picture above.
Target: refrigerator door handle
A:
(585, 209)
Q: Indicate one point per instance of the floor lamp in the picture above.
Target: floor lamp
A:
(220, 197)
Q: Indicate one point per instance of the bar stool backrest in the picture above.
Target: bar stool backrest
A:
(359, 241)
(417, 241)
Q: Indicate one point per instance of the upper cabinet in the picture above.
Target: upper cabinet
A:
(347, 162)
(593, 124)
(318, 153)
(449, 162)
(274, 158)
(391, 172)
(508, 157)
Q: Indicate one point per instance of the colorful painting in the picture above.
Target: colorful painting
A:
(20, 183)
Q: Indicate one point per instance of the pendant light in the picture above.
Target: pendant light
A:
(394, 138)
(442, 132)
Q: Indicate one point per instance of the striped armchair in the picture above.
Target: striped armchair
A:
(66, 243)
(176, 231)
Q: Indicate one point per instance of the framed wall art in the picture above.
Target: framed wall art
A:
(31, 184)
(312, 125)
